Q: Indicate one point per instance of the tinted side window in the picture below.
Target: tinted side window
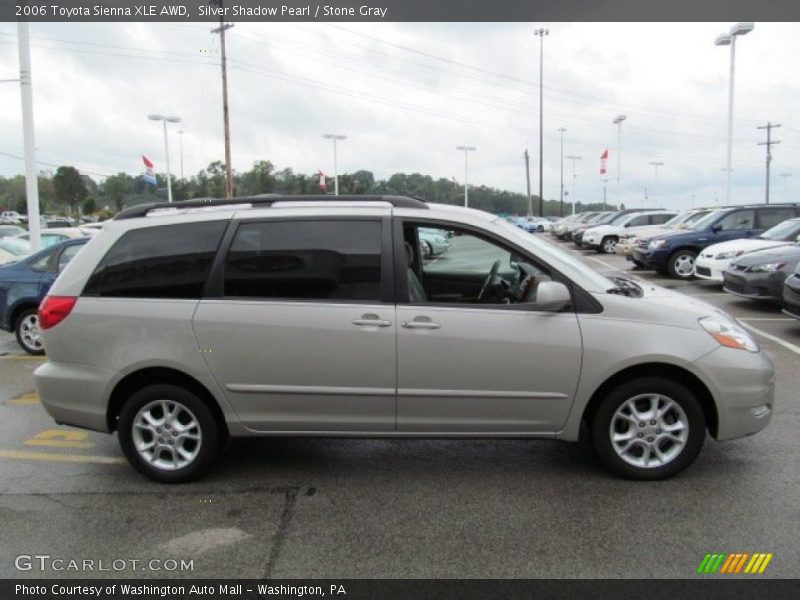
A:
(769, 217)
(660, 219)
(167, 261)
(306, 260)
(637, 221)
(740, 219)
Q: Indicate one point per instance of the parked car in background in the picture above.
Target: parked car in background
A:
(604, 238)
(13, 249)
(51, 222)
(564, 229)
(603, 218)
(434, 242)
(675, 252)
(587, 218)
(92, 228)
(11, 217)
(10, 231)
(537, 225)
(24, 284)
(717, 258)
(791, 294)
(629, 240)
(760, 275)
(53, 236)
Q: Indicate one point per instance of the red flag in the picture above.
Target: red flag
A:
(322, 184)
(603, 161)
(147, 162)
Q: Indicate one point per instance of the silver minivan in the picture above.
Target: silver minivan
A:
(181, 327)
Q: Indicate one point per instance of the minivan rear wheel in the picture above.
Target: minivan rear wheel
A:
(168, 433)
(681, 264)
(648, 428)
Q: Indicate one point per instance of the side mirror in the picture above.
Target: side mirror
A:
(716, 228)
(552, 296)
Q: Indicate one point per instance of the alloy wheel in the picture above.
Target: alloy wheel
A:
(167, 435)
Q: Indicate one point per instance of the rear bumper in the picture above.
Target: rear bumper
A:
(743, 386)
(75, 394)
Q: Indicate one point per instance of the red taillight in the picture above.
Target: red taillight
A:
(55, 309)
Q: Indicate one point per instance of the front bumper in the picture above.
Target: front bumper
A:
(657, 259)
(743, 386)
(710, 269)
(755, 286)
(791, 297)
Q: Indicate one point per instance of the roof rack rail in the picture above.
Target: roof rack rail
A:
(265, 200)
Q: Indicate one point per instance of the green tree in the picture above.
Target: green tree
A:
(115, 188)
(69, 187)
(89, 206)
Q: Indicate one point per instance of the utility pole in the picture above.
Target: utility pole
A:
(561, 130)
(180, 142)
(655, 164)
(769, 143)
(26, 90)
(528, 181)
(225, 113)
(541, 32)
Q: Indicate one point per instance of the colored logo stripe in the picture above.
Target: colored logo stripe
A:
(733, 563)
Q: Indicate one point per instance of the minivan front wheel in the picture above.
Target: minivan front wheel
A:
(649, 428)
(168, 433)
(681, 264)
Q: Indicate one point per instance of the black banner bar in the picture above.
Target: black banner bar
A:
(398, 10)
(711, 588)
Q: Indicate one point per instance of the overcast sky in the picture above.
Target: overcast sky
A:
(406, 94)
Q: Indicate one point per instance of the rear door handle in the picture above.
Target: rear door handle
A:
(415, 324)
(371, 320)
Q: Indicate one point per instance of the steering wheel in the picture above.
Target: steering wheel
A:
(489, 279)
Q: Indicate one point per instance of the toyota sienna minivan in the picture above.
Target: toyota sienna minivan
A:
(180, 327)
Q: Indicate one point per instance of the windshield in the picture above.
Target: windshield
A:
(618, 218)
(785, 231)
(683, 221)
(605, 219)
(706, 220)
(570, 266)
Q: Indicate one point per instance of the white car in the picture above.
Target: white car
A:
(604, 238)
(715, 259)
(12, 217)
(54, 236)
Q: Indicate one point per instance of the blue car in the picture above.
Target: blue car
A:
(24, 284)
(674, 252)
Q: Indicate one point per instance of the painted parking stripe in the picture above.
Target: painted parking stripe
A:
(49, 456)
(26, 399)
(60, 438)
(766, 319)
(773, 338)
(17, 357)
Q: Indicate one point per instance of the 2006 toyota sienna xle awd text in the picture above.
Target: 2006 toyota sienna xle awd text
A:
(301, 316)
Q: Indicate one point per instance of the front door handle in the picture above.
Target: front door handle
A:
(371, 320)
(421, 324)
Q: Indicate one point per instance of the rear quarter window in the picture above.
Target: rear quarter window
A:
(165, 261)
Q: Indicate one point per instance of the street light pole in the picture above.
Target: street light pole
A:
(618, 122)
(26, 91)
(605, 184)
(467, 150)
(335, 137)
(561, 130)
(166, 120)
(729, 39)
(541, 32)
(655, 165)
(574, 158)
(180, 142)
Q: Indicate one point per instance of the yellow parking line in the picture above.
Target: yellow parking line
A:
(60, 438)
(25, 399)
(47, 456)
(58, 443)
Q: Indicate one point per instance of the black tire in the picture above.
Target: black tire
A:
(23, 336)
(209, 429)
(611, 242)
(604, 418)
(639, 264)
(540, 229)
(676, 265)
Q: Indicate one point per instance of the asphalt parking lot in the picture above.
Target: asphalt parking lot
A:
(306, 508)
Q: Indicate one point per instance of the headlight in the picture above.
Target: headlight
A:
(655, 244)
(732, 254)
(728, 334)
(767, 268)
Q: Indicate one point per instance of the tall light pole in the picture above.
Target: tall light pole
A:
(26, 91)
(618, 122)
(605, 185)
(180, 142)
(729, 39)
(541, 32)
(467, 150)
(166, 120)
(574, 158)
(655, 164)
(335, 137)
(223, 27)
(561, 130)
